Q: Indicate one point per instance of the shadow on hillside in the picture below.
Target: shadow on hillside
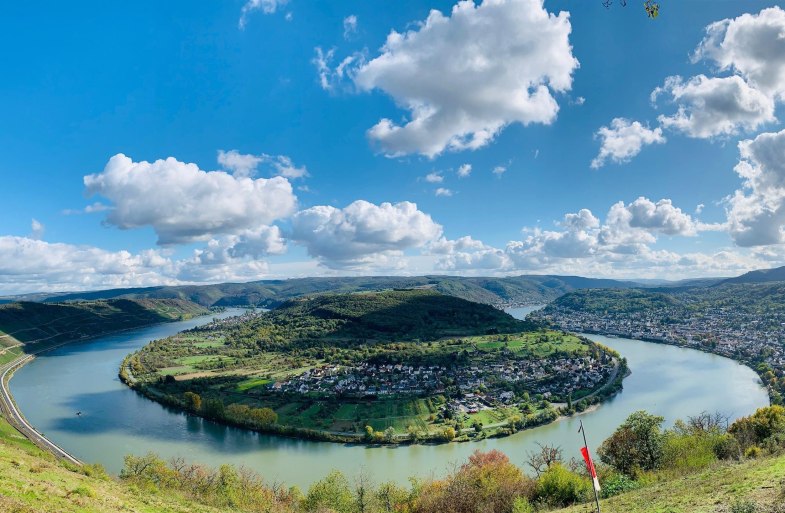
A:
(38, 324)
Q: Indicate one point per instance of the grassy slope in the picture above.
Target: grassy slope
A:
(33, 482)
(36, 322)
(703, 492)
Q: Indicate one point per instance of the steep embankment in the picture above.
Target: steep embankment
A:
(32, 481)
(34, 323)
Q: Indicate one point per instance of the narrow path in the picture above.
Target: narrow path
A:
(17, 420)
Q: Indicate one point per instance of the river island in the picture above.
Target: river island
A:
(394, 366)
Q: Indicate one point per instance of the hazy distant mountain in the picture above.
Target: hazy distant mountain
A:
(760, 276)
(531, 289)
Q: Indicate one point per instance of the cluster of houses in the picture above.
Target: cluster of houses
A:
(725, 331)
(489, 383)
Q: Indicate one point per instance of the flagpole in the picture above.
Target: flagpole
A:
(586, 444)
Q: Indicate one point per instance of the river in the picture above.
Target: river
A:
(115, 421)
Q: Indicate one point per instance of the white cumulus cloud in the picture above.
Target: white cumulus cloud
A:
(711, 107)
(464, 170)
(362, 233)
(623, 140)
(434, 177)
(466, 76)
(756, 213)
(182, 203)
(752, 45)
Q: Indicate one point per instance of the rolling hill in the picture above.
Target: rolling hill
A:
(532, 289)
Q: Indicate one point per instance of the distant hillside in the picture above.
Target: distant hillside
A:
(43, 322)
(616, 301)
(760, 276)
(514, 290)
(404, 314)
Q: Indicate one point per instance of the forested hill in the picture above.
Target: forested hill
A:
(493, 291)
(394, 314)
(766, 300)
(617, 301)
(760, 276)
(39, 322)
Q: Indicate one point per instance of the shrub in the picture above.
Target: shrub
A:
(727, 447)
(763, 424)
(743, 506)
(616, 484)
(689, 452)
(522, 505)
(558, 486)
(488, 482)
(83, 491)
(753, 452)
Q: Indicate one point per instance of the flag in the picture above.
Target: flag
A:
(590, 468)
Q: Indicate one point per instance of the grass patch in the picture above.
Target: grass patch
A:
(251, 383)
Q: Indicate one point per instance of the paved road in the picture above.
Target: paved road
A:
(12, 414)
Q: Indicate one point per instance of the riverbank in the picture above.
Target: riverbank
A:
(17, 420)
(749, 364)
(8, 406)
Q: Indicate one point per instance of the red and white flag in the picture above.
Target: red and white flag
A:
(590, 468)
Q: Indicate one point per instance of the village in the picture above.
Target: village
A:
(471, 387)
(724, 331)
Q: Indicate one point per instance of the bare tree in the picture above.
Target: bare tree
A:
(541, 460)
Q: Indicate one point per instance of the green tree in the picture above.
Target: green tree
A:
(636, 445)
(263, 416)
(193, 401)
(213, 408)
(333, 493)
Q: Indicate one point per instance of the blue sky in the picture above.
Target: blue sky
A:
(314, 182)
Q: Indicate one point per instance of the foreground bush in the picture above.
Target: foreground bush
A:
(487, 483)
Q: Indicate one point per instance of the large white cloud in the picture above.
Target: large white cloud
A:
(752, 45)
(623, 140)
(582, 243)
(756, 213)
(363, 233)
(182, 203)
(466, 76)
(28, 264)
(711, 107)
